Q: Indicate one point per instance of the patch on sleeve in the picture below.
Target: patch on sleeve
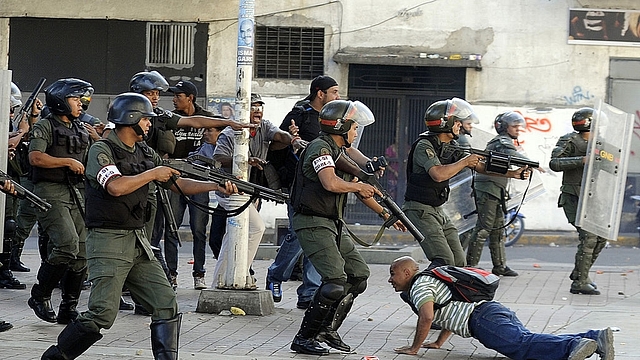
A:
(107, 173)
(37, 133)
(103, 159)
(323, 161)
(430, 153)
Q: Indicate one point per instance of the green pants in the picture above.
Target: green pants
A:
(123, 257)
(441, 239)
(27, 215)
(489, 224)
(64, 225)
(334, 264)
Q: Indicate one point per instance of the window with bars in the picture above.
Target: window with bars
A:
(288, 52)
(171, 44)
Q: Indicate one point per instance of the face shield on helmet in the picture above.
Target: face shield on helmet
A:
(16, 96)
(148, 80)
(441, 116)
(509, 118)
(57, 93)
(337, 117)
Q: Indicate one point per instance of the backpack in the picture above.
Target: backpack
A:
(467, 284)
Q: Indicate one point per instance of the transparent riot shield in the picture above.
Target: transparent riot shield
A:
(605, 172)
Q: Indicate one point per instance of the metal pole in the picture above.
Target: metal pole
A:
(235, 272)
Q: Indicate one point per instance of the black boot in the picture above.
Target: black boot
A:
(8, 281)
(164, 338)
(74, 340)
(329, 330)
(305, 340)
(16, 264)
(43, 243)
(40, 300)
(71, 288)
(124, 305)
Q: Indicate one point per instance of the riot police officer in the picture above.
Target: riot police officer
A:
(57, 152)
(318, 198)
(119, 170)
(491, 194)
(569, 156)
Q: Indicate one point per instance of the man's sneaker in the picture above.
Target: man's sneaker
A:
(584, 349)
(504, 271)
(276, 290)
(605, 344)
(199, 283)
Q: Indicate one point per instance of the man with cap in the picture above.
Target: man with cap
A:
(119, 170)
(188, 140)
(260, 138)
(301, 121)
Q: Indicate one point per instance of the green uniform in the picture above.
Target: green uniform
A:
(567, 157)
(118, 257)
(63, 222)
(491, 194)
(440, 235)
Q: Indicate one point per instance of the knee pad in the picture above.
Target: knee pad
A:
(329, 293)
(358, 285)
(9, 228)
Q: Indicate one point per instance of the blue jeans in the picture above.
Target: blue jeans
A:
(198, 221)
(498, 328)
(283, 264)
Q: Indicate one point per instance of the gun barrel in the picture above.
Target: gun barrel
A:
(515, 160)
(29, 103)
(22, 193)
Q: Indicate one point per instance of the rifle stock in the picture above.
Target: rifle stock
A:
(22, 193)
(28, 104)
(346, 164)
(201, 172)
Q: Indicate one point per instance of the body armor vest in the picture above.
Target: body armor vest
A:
(110, 212)
(573, 177)
(421, 187)
(67, 143)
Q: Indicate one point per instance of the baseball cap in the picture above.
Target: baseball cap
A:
(321, 82)
(184, 87)
(256, 98)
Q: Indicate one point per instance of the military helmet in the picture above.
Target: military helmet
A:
(504, 120)
(442, 115)
(337, 116)
(148, 80)
(128, 108)
(16, 96)
(581, 119)
(57, 93)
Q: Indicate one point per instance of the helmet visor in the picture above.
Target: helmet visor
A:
(461, 110)
(360, 114)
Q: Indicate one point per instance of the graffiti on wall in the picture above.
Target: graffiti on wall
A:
(578, 95)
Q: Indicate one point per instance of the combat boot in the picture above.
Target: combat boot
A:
(305, 340)
(71, 288)
(40, 300)
(498, 255)
(329, 330)
(74, 340)
(15, 263)
(581, 284)
(165, 337)
(8, 281)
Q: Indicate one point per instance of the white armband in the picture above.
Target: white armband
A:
(106, 173)
(323, 161)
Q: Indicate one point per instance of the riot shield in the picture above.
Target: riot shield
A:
(605, 171)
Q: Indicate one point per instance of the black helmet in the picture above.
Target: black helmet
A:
(581, 119)
(504, 120)
(128, 108)
(148, 80)
(16, 96)
(57, 93)
(442, 115)
(337, 116)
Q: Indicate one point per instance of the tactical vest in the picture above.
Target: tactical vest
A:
(67, 143)
(573, 177)
(160, 138)
(311, 198)
(128, 212)
(421, 187)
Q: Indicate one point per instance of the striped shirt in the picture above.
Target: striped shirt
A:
(454, 316)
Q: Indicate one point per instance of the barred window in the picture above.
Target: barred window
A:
(288, 52)
(171, 44)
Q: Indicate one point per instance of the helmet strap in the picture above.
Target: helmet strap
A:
(347, 144)
(139, 131)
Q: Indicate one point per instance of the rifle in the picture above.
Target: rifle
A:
(22, 193)
(201, 172)
(346, 164)
(168, 212)
(28, 104)
(496, 162)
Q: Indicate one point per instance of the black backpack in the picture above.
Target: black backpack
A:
(467, 284)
